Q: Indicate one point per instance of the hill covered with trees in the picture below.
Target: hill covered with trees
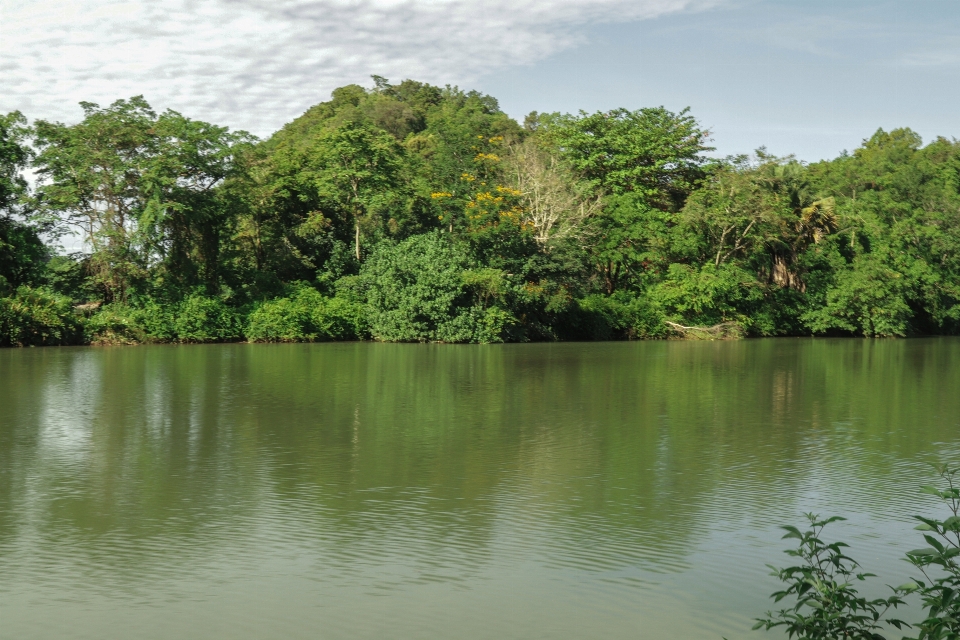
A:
(409, 212)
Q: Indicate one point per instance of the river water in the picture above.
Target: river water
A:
(606, 490)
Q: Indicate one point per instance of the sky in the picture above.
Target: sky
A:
(806, 77)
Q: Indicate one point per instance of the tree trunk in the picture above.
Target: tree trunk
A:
(357, 239)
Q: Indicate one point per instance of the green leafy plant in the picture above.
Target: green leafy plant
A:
(38, 317)
(203, 319)
(306, 316)
(827, 604)
(940, 587)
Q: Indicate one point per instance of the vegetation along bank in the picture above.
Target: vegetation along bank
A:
(409, 212)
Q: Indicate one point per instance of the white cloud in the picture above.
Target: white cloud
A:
(255, 64)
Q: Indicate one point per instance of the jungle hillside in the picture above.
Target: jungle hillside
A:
(414, 213)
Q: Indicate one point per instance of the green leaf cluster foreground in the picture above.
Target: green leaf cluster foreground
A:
(822, 586)
(409, 212)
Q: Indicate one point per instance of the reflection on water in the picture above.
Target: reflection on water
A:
(418, 491)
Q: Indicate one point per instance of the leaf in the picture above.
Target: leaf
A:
(933, 542)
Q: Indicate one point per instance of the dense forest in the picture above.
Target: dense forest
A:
(409, 212)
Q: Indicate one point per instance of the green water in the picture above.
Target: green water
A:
(618, 490)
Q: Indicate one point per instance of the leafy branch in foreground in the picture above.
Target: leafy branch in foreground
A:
(828, 606)
(940, 595)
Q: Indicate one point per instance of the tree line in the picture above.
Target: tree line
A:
(410, 212)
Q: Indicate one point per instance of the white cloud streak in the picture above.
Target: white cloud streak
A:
(255, 64)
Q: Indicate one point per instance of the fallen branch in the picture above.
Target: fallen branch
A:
(722, 331)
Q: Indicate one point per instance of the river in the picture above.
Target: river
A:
(359, 490)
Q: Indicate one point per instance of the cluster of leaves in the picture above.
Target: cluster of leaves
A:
(827, 604)
(452, 222)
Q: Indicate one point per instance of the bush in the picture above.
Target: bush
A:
(196, 319)
(306, 316)
(709, 295)
(423, 290)
(868, 299)
(38, 317)
(620, 316)
(827, 604)
(414, 289)
(203, 319)
(114, 324)
(822, 585)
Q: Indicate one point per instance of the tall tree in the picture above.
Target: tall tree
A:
(357, 170)
(139, 187)
(652, 152)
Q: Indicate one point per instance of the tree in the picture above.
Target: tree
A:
(14, 157)
(139, 186)
(652, 152)
(22, 252)
(91, 176)
(356, 169)
(554, 200)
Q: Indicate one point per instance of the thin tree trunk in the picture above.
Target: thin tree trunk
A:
(357, 241)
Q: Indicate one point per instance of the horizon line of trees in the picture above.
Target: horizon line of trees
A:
(409, 212)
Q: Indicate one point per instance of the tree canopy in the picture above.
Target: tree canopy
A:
(420, 213)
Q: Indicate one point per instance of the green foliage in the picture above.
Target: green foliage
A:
(115, 324)
(204, 319)
(609, 225)
(868, 298)
(707, 296)
(118, 323)
(22, 254)
(620, 316)
(14, 157)
(34, 317)
(651, 152)
(417, 291)
(197, 318)
(306, 316)
(66, 275)
(141, 187)
(940, 587)
(827, 604)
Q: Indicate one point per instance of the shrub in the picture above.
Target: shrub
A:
(114, 324)
(868, 298)
(306, 316)
(827, 604)
(204, 319)
(620, 316)
(414, 289)
(146, 321)
(709, 295)
(38, 317)
(423, 289)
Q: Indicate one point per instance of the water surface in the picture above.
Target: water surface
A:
(615, 490)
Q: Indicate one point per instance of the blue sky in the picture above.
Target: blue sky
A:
(806, 77)
(810, 78)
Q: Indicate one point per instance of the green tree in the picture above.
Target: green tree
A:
(355, 170)
(652, 152)
(139, 186)
(14, 158)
